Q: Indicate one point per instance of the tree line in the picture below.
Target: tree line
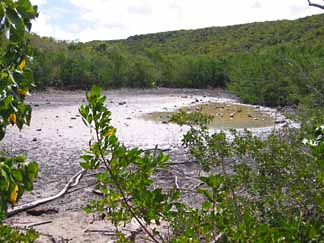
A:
(271, 63)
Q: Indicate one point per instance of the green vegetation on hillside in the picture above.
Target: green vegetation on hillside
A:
(270, 63)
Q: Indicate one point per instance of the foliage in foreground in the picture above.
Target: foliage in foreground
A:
(16, 175)
(253, 190)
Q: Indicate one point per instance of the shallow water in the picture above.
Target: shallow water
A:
(138, 115)
(225, 115)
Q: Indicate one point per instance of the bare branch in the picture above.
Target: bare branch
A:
(315, 5)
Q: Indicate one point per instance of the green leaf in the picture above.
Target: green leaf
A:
(32, 170)
(17, 175)
(26, 9)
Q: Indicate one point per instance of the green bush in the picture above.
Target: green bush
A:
(16, 175)
(253, 190)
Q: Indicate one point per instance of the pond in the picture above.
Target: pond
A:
(225, 115)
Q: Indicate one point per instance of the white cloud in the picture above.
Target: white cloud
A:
(140, 7)
(257, 5)
(114, 19)
(43, 27)
(38, 2)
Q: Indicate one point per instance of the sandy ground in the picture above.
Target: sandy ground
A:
(57, 137)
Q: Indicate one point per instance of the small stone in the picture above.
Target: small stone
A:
(165, 122)
(128, 118)
(279, 121)
(249, 115)
(38, 129)
(285, 125)
(73, 118)
(34, 139)
(70, 127)
(41, 211)
(122, 103)
(255, 119)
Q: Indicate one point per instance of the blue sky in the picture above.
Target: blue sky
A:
(86, 20)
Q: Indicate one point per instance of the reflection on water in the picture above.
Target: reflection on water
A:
(225, 115)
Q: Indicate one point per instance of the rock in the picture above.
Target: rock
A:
(41, 211)
(285, 125)
(122, 103)
(255, 118)
(232, 115)
(165, 122)
(57, 116)
(128, 118)
(34, 139)
(196, 100)
(73, 118)
(38, 130)
(249, 115)
(36, 105)
(279, 121)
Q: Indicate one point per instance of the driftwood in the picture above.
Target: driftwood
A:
(75, 179)
(131, 236)
(38, 224)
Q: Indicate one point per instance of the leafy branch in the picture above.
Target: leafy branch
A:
(126, 181)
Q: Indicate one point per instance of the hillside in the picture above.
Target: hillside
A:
(227, 40)
(265, 63)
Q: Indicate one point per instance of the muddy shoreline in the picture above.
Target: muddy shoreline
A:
(57, 137)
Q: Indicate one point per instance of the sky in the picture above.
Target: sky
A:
(84, 20)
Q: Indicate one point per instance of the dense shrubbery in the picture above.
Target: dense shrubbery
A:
(271, 63)
(253, 190)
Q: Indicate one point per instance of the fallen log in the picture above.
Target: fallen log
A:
(75, 179)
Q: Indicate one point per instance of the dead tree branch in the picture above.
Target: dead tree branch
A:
(315, 4)
(71, 183)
